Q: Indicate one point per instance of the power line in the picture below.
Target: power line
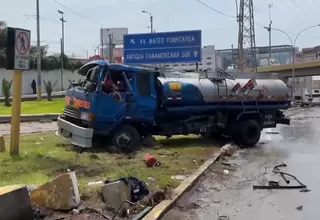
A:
(217, 11)
(294, 2)
(80, 15)
(230, 16)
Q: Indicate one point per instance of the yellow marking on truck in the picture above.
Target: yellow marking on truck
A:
(175, 86)
(77, 103)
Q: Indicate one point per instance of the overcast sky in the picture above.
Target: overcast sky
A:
(169, 15)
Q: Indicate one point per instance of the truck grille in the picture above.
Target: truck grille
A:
(71, 112)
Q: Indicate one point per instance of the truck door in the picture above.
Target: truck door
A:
(146, 99)
(109, 109)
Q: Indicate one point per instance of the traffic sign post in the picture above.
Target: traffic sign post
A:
(165, 47)
(18, 58)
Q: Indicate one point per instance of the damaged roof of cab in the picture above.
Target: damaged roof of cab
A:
(114, 66)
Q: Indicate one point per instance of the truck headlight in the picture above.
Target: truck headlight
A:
(87, 116)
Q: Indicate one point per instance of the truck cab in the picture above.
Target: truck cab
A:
(109, 102)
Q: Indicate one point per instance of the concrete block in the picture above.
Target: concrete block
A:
(15, 203)
(61, 193)
(115, 193)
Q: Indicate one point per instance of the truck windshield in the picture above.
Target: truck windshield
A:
(89, 84)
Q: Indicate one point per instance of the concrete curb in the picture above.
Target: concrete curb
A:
(30, 118)
(162, 208)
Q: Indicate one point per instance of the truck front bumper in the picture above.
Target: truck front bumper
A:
(76, 135)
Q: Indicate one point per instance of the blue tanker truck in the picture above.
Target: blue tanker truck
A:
(119, 105)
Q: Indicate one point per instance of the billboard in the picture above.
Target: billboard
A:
(116, 52)
(116, 35)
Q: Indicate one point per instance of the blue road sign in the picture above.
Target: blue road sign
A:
(165, 47)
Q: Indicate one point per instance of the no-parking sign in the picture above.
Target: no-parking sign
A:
(22, 49)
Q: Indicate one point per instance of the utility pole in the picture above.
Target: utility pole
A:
(110, 48)
(101, 41)
(39, 53)
(269, 30)
(62, 47)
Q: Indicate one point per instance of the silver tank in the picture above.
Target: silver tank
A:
(212, 90)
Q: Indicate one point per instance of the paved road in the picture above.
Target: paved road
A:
(29, 127)
(231, 195)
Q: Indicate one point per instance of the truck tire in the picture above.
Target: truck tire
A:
(248, 133)
(126, 138)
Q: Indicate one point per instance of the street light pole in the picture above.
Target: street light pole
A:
(39, 53)
(269, 30)
(62, 47)
(151, 20)
(293, 43)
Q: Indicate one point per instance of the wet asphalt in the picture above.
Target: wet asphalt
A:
(226, 190)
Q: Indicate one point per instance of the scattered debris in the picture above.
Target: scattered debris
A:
(195, 205)
(228, 150)
(115, 193)
(223, 217)
(98, 183)
(305, 190)
(272, 132)
(276, 185)
(179, 177)
(216, 187)
(150, 160)
(226, 164)
(151, 179)
(61, 193)
(75, 212)
(94, 157)
(176, 154)
(300, 208)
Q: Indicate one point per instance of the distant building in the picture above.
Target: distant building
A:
(311, 53)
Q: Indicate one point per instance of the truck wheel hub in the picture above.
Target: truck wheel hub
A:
(123, 140)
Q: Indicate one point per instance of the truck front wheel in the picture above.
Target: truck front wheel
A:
(126, 138)
(247, 133)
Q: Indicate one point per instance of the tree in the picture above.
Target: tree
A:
(6, 87)
(49, 88)
(34, 50)
(3, 35)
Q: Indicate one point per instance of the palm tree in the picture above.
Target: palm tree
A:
(49, 88)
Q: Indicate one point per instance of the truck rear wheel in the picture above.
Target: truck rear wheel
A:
(126, 138)
(247, 133)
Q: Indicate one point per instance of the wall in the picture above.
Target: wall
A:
(28, 76)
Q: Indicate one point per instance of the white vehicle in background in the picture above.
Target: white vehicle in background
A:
(315, 97)
(232, 67)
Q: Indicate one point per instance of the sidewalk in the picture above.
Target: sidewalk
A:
(34, 96)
